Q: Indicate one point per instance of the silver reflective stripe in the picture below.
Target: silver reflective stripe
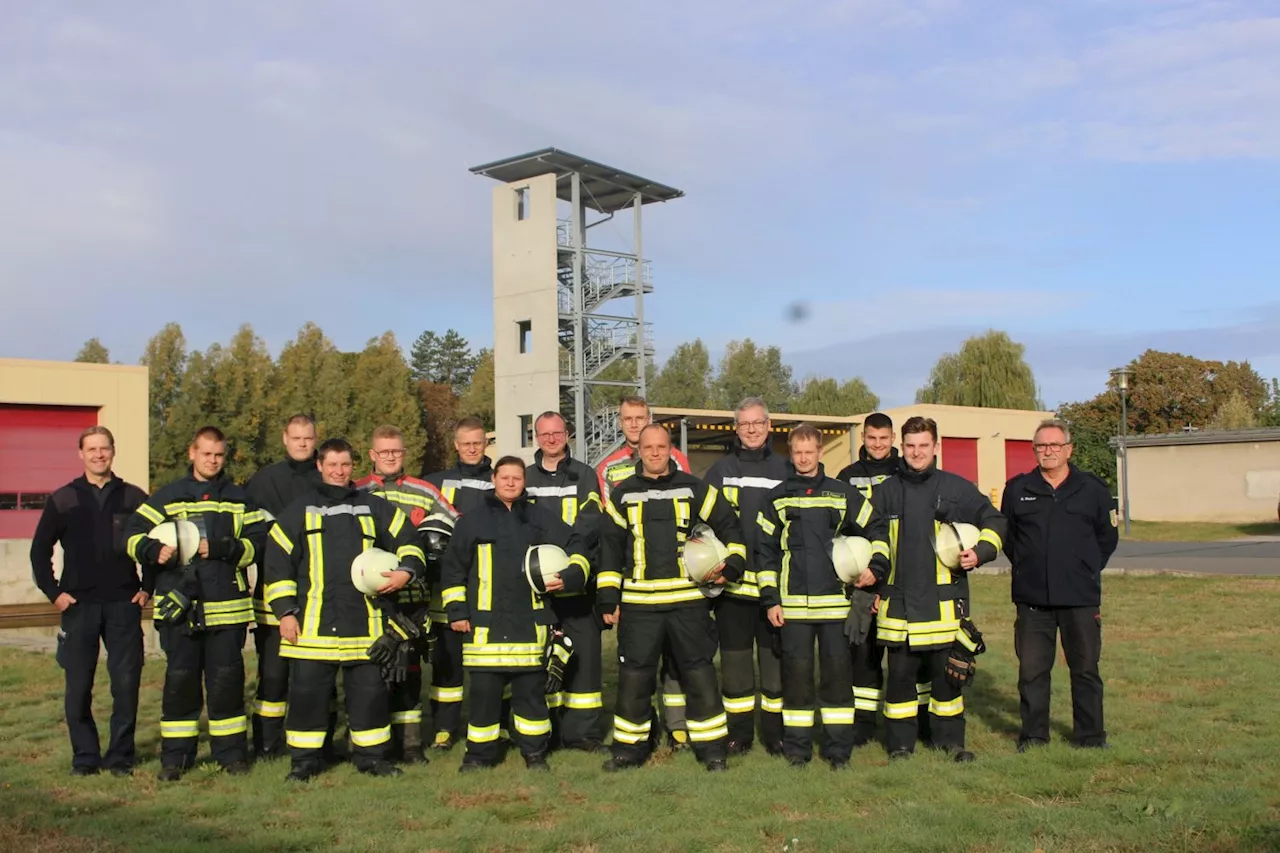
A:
(869, 481)
(658, 495)
(552, 491)
(752, 482)
(340, 509)
(482, 485)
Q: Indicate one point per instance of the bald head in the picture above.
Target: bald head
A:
(655, 451)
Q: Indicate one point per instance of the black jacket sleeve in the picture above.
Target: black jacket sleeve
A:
(863, 519)
(1011, 490)
(455, 570)
(49, 532)
(769, 552)
(977, 510)
(284, 553)
(614, 532)
(590, 512)
(717, 512)
(553, 531)
(1104, 524)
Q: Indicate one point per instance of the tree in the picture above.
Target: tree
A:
(313, 379)
(242, 377)
(93, 352)
(165, 357)
(440, 410)
(384, 392)
(685, 379)
(827, 397)
(478, 398)
(1170, 391)
(194, 406)
(989, 371)
(444, 360)
(747, 371)
(1270, 414)
(1235, 413)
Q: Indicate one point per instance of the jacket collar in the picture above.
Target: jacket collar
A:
(672, 470)
(337, 493)
(562, 466)
(795, 478)
(887, 465)
(911, 475)
(482, 470)
(762, 452)
(301, 466)
(82, 482)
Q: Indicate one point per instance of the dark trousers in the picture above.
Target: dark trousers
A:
(529, 714)
(119, 627)
(908, 672)
(311, 685)
(834, 693)
(271, 699)
(446, 682)
(1035, 634)
(406, 711)
(674, 716)
(579, 707)
(745, 638)
(868, 686)
(690, 635)
(212, 660)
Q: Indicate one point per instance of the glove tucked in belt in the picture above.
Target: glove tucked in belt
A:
(961, 664)
(557, 653)
(391, 651)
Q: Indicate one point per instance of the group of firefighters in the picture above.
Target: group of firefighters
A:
(509, 574)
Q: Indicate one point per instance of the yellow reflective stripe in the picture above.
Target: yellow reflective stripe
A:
(609, 580)
(555, 700)
(675, 597)
(483, 734)
(280, 589)
(737, 548)
(837, 716)
(398, 520)
(954, 708)
(411, 551)
(701, 731)
(864, 514)
(369, 737)
(814, 502)
(900, 710)
(797, 719)
(406, 718)
(990, 536)
(131, 547)
(708, 504)
(179, 728)
(880, 547)
(673, 700)
(275, 710)
(150, 513)
(625, 731)
(583, 701)
(730, 494)
(229, 726)
(181, 509)
(765, 524)
(445, 694)
(315, 577)
(739, 705)
(532, 728)
(581, 562)
(281, 539)
(768, 578)
(484, 565)
(635, 517)
(454, 594)
(770, 705)
(304, 740)
(263, 615)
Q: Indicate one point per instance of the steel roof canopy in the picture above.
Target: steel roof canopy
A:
(604, 188)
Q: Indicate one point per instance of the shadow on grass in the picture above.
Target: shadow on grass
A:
(991, 700)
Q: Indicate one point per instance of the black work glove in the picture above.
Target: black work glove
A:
(557, 653)
(383, 650)
(224, 549)
(961, 664)
(172, 608)
(402, 628)
(398, 671)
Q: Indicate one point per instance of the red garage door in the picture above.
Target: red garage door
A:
(960, 456)
(1019, 458)
(37, 455)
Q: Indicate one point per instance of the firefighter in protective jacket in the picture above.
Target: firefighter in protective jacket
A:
(327, 625)
(494, 602)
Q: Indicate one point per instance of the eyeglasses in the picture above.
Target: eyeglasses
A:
(471, 445)
(549, 435)
(1049, 448)
(751, 426)
(389, 454)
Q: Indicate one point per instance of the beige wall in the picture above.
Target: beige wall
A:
(1236, 482)
(989, 426)
(524, 288)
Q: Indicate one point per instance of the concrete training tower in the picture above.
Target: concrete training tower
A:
(546, 277)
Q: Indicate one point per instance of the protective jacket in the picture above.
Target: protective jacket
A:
(744, 477)
(235, 530)
(417, 499)
(798, 521)
(621, 464)
(484, 581)
(923, 601)
(1059, 540)
(89, 521)
(271, 489)
(867, 474)
(464, 486)
(643, 539)
(570, 491)
(308, 569)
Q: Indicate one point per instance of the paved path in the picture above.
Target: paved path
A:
(1235, 557)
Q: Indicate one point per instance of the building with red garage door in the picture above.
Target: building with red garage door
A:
(44, 406)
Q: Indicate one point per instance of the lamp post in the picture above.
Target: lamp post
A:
(1121, 377)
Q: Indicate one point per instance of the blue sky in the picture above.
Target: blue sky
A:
(1093, 177)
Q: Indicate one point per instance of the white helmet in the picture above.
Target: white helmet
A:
(542, 563)
(367, 569)
(851, 556)
(952, 540)
(181, 534)
(702, 552)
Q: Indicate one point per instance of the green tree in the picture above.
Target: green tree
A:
(827, 397)
(440, 410)
(314, 378)
(384, 392)
(989, 371)
(165, 357)
(243, 376)
(1170, 391)
(477, 399)
(1270, 414)
(93, 352)
(685, 378)
(1235, 413)
(444, 360)
(749, 371)
(195, 405)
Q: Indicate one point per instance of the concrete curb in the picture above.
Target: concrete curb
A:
(1117, 570)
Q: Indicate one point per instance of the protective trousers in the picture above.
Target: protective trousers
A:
(446, 683)
(529, 714)
(908, 672)
(311, 684)
(271, 699)
(212, 660)
(1035, 633)
(690, 635)
(579, 706)
(117, 624)
(745, 637)
(834, 693)
(406, 712)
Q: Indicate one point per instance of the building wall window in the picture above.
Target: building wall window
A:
(522, 204)
(526, 430)
(526, 336)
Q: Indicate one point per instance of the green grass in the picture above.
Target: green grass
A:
(1198, 531)
(1193, 687)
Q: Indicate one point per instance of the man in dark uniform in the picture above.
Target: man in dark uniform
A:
(924, 617)
(100, 598)
(569, 489)
(744, 476)
(203, 607)
(1062, 531)
(327, 625)
(502, 620)
(273, 488)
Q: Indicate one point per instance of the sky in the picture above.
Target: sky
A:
(1095, 178)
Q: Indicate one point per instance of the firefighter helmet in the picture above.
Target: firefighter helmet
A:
(952, 540)
(851, 555)
(542, 563)
(436, 530)
(181, 534)
(702, 553)
(367, 569)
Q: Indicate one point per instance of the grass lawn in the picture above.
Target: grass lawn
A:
(1193, 688)
(1198, 531)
